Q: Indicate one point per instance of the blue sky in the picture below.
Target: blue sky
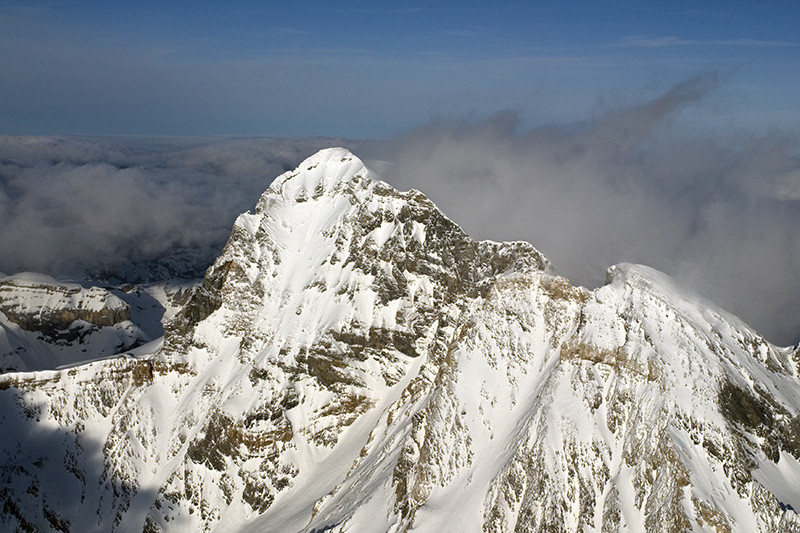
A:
(353, 69)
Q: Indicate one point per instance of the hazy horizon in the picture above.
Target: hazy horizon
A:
(346, 70)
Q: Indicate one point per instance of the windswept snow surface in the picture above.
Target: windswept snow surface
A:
(354, 362)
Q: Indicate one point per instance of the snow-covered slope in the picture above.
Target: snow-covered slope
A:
(354, 362)
(45, 323)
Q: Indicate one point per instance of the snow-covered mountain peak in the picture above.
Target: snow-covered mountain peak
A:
(323, 173)
(334, 246)
(645, 277)
(353, 361)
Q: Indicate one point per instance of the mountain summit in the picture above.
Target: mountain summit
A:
(353, 361)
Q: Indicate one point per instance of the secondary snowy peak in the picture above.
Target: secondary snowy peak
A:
(353, 361)
(37, 301)
(46, 323)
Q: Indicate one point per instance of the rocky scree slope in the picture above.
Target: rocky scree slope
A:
(354, 362)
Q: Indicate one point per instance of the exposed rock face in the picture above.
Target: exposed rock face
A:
(354, 362)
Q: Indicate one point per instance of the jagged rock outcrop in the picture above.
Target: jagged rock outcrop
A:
(354, 362)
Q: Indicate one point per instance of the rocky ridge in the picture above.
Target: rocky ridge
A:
(354, 362)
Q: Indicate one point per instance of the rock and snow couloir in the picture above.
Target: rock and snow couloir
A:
(354, 362)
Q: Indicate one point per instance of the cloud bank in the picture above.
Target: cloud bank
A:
(719, 214)
(72, 204)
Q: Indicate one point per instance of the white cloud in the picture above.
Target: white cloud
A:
(67, 204)
(671, 40)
